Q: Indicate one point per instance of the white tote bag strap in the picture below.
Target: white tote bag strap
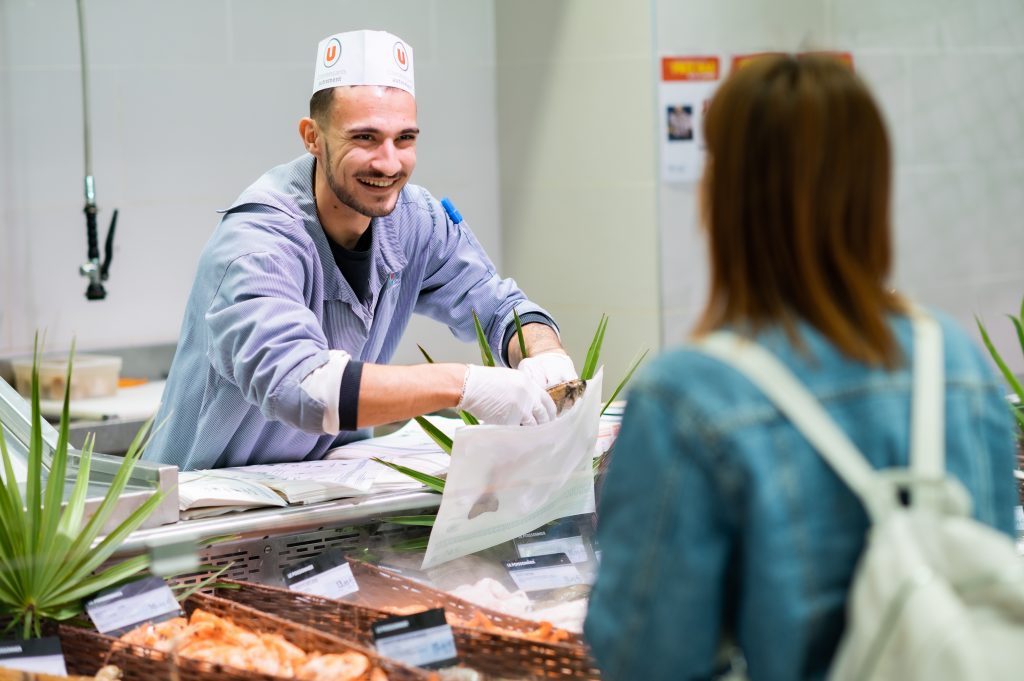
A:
(928, 412)
(797, 403)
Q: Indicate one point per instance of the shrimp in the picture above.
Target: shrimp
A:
(162, 636)
(340, 666)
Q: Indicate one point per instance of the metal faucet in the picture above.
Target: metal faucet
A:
(95, 271)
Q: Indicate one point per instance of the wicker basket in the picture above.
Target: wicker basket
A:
(486, 651)
(85, 651)
(14, 675)
(383, 589)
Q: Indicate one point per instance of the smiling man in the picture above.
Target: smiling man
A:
(305, 287)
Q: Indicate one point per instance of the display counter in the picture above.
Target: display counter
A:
(260, 544)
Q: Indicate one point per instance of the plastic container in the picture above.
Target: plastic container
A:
(91, 376)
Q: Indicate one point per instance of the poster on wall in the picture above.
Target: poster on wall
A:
(739, 60)
(685, 91)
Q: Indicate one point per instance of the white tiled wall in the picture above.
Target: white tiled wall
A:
(949, 75)
(577, 153)
(191, 101)
(538, 117)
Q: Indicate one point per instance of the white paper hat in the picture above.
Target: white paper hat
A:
(364, 58)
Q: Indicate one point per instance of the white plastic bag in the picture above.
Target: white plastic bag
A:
(504, 481)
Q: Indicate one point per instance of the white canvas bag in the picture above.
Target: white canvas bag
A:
(936, 594)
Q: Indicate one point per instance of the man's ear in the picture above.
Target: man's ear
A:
(309, 131)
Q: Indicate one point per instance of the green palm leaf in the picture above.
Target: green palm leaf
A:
(81, 547)
(58, 467)
(436, 434)
(486, 356)
(204, 583)
(49, 560)
(33, 502)
(468, 419)
(1015, 384)
(74, 513)
(624, 381)
(427, 357)
(1018, 324)
(12, 511)
(1007, 374)
(434, 483)
(519, 334)
(594, 352)
(415, 544)
(121, 572)
(101, 552)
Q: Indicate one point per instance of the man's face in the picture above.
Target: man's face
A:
(370, 147)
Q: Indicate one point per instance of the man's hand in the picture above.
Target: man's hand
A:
(549, 368)
(505, 396)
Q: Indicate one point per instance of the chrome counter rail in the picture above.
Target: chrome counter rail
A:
(273, 522)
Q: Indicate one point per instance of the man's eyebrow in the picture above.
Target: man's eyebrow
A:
(376, 131)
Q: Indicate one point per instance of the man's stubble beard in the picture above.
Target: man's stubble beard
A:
(346, 197)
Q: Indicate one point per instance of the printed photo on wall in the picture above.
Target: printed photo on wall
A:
(687, 84)
(680, 122)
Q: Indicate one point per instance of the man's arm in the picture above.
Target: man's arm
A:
(547, 364)
(538, 337)
(494, 395)
(394, 393)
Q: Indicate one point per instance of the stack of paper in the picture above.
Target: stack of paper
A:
(409, 446)
(347, 471)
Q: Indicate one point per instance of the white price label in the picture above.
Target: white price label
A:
(420, 640)
(39, 655)
(541, 573)
(126, 607)
(333, 583)
(573, 547)
(420, 648)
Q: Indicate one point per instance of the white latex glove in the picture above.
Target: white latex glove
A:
(549, 368)
(505, 397)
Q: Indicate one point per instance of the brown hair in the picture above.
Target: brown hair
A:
(320, 106)
(796, 201)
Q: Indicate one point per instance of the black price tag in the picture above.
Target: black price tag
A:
(121, 609)
(543, 573)
(328, 575)
(420, 640)
(39, 655)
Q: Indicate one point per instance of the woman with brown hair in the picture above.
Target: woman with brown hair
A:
(718, 520)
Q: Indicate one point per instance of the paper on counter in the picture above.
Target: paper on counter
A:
(409, 440)
(213, 488)
(409, 446)
(318, 477)
(504, 481)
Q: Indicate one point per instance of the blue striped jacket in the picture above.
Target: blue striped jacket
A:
(268, 302)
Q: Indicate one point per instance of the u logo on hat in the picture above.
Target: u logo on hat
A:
(401, 57)
(333, 52)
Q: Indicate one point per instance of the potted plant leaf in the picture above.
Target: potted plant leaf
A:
(435, 483)
(50, 559)
(1015, 386)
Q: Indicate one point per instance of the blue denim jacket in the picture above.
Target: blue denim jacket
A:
(718, 521)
